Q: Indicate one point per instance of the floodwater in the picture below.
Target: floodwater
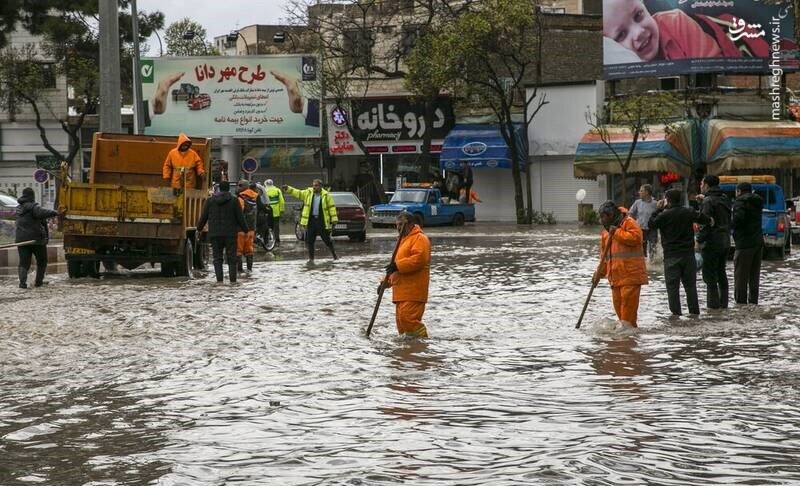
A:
(136, 379)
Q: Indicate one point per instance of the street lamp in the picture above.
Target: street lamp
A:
(235, 34)
(160, 45)
(280, 38)
(191, 35)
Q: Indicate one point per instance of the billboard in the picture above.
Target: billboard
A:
(672, 37)
(246, 97)
(394, 123)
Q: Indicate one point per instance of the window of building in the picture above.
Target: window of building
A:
(409, 38)
(669, 84)
(592, 7)
(358, 43)
(554, 10)
(49, 74)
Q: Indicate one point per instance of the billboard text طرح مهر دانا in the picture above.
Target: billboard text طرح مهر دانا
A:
(253, 96)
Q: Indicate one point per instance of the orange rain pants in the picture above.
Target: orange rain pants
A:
(408, 317)
(244, 243)
(626, 302)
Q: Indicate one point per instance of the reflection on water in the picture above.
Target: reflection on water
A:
(135, 379)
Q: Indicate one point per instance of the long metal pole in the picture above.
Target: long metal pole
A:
(138, 109)
(110, 103)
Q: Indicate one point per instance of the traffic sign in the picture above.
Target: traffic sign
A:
(249, 165)
(41, 176)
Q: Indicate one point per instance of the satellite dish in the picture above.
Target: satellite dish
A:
(580, 195)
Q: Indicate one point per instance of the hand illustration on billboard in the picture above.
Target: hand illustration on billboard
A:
(159, 99)
(674, 34)
(297, 103)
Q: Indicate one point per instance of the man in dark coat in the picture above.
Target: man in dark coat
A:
(677, 239)
(749, 239)
(225, 220)
(715, 241)
(32, 226)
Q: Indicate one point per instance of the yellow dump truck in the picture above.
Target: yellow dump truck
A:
(128, 215)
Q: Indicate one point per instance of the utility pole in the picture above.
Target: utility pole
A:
(138, 110)
(110, 103)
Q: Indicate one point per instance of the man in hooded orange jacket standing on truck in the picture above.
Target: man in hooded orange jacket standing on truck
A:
(182, 162)
(409, 276)
(624, 265)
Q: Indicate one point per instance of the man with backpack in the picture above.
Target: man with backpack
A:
(249, 201)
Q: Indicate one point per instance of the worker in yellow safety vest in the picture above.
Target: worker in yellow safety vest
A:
(275, 196)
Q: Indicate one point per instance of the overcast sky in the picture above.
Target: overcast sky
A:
(217, 16)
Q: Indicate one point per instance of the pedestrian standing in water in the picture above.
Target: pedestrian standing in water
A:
(676, 224)
(642, 210)
(624, 265)
(224, 216)
(749, 240)
(31, 225)
(318, 215)
(409, 276)
(715, 241)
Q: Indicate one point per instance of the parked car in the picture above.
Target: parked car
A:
(199, 102)
(352, 218)
(774, 218)
(425, 203)
(8, 207)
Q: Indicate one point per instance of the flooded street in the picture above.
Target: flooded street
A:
(137, 379)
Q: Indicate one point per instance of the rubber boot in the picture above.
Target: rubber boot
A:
(333, 252)
(39, 276)
(23, 277)
(249, 263)
(239, 264)
(311, 253)
(232, 272)
(218, 271)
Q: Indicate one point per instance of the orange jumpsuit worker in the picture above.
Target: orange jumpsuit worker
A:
(248, 200)
(182, 162)
(409, 276)
(624, 266)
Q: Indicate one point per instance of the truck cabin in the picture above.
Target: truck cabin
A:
(764, 186)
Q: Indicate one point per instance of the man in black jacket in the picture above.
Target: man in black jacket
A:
(749, 240)
(677, 239)
(31, 225)
(715, 241)
(224, 216)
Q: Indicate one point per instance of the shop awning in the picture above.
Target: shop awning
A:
(283, 157)
(660, 151)
(740, 145)
(482, 145)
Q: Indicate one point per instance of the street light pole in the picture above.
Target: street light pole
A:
(110, 103)
(138, 111)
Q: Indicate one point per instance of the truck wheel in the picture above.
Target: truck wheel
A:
(167, 269)
(75, 269)
(788, 247)
(299, 233)
(201, 255)
(458, 219)
(91, 269)
(184, 267)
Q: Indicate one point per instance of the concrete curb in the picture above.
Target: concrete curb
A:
(9, 257)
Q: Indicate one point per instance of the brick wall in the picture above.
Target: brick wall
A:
(572, 48)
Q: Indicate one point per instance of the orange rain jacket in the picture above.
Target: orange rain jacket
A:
(177, 160)
(624, 265)
(410, 282)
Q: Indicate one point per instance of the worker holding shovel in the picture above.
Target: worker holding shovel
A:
(623, 264)
(408, 275)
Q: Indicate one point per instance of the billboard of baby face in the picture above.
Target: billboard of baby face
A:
(629, 23)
